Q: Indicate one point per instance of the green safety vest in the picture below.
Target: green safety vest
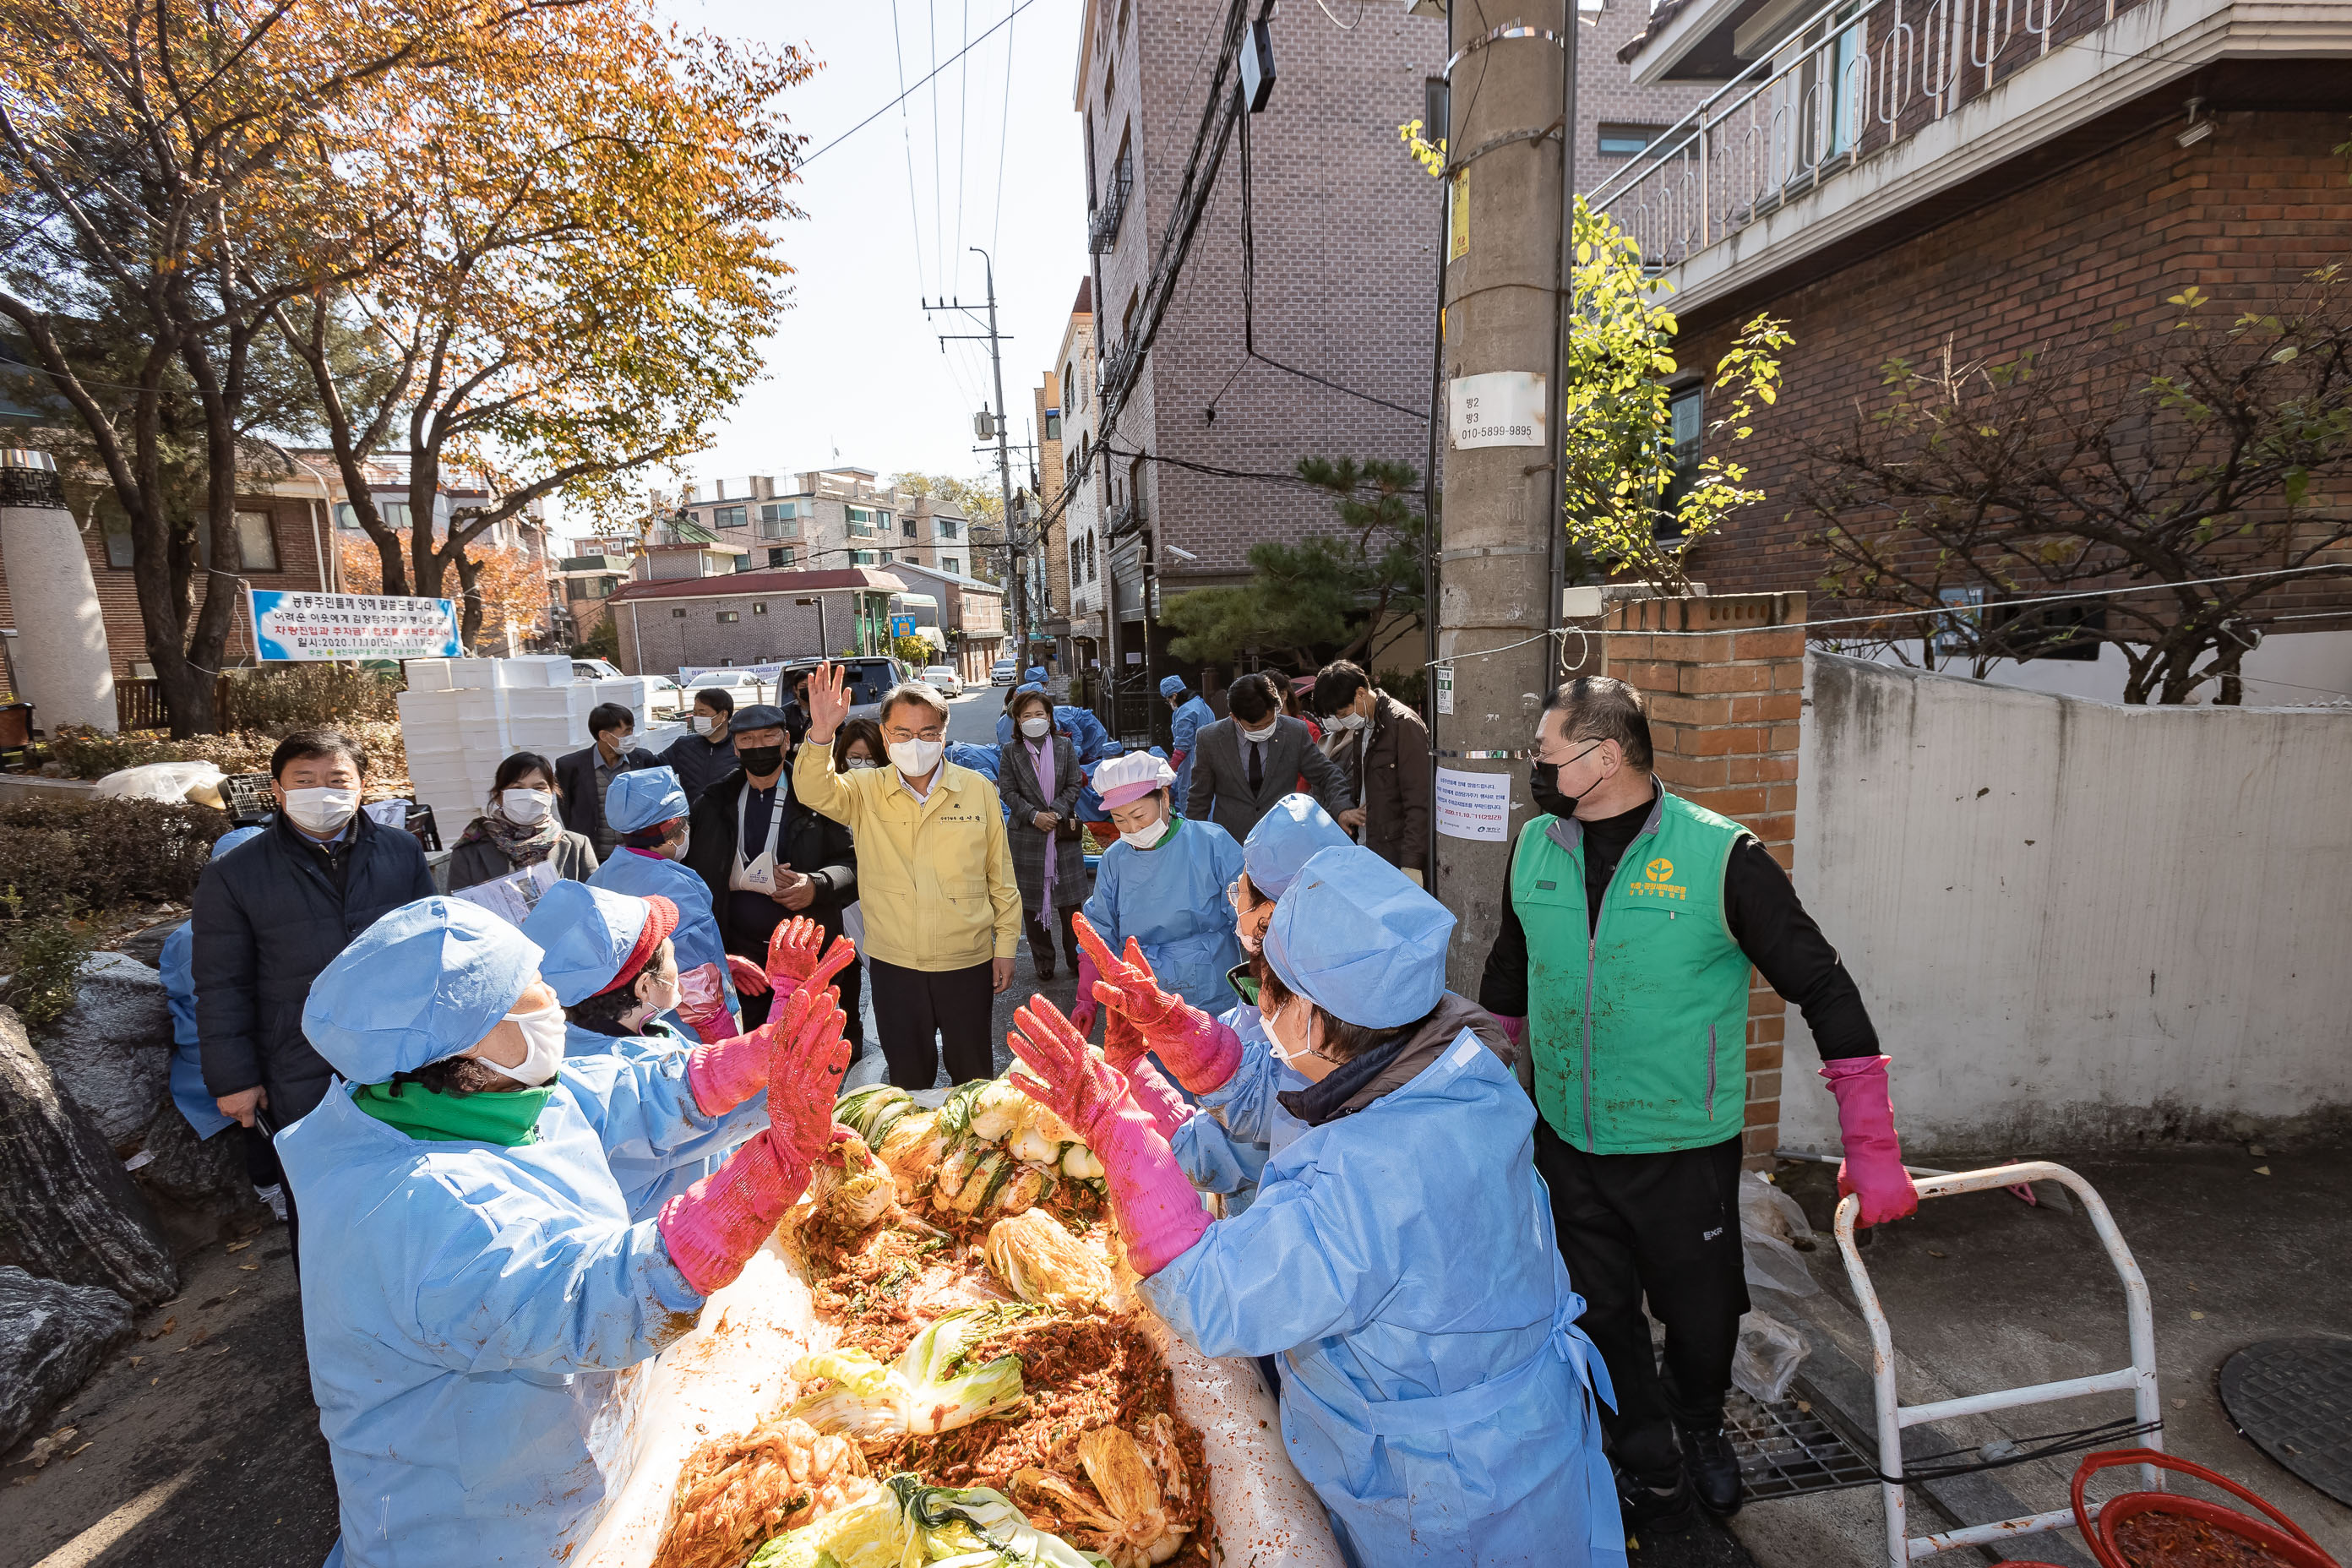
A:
(1638, 1023)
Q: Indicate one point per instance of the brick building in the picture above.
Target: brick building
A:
(1081, 540)
(829, 519)
(1050, 620)
(2047, 202)
(284, 533)
(751, 617)
(968, 611)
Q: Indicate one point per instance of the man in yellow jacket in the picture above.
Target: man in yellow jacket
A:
(934, 876)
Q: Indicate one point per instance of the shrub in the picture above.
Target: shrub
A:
(43, 954)
(87, 754)
(306, 696)
(59, 856)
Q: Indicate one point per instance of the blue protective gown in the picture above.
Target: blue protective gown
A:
(477, 1316)
(1184, 737)
(697, 938)
(176, 964)
(1172, 900)
(1436, 1393)
(1224, 1149)
(651, 1176)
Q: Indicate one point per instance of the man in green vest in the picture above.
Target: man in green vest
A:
(1633, 920)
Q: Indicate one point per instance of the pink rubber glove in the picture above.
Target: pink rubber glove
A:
(1155, 1205)
(1082, 1011)
(712, 1228)
(750, 980)
(1199, 1050)
(1152, 1094)
(1873, 1167)
(726, 1074)
(797, 951)
(702, 1004)
(1122, 1043)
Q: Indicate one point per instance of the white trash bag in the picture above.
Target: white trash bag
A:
(1764, 1361)
(171, 782)
(1770, 1221)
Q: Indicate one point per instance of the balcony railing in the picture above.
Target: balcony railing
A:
(1102, 225)
(1859, 77)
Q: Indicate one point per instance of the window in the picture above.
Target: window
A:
(759, 606)
(1624, 140)
(944, 527)
(728, 517)
(780, 558)
(780, 520)
(1683, 410)
(678, 614)
(906, 526)
(861, 521)
(952, 564)
(393, 513)
(888, 556)
(861, 558)
(257, 546)
(728, 618)
(1053, 424)
(116, 524)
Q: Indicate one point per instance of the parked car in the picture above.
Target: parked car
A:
(740, 684)
(870, 678)
(595, 669)
(943, 675)
(1004, 673)
(669, 699)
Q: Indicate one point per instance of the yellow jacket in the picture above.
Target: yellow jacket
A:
(934, 875)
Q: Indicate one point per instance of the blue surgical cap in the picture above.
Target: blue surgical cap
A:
(1355, 937)
(642, 798)
(1285, 839)
(232, 838)
(584, 935)
(1173, 686)
(427, 981)
(1034, 672)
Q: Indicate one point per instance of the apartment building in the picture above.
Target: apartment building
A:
(828, 519)
(1080, 542)
(1340, 304)
(2039, 182)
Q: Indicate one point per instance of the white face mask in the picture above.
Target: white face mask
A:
(542, 1046)
(526, 807)
(703, 724)
(659, 997)
(1265, 734)
(684, 839)
(1297, 1057)
(1145, 838)
(1035, 728)
(916, 759)
(321, 812)
(1349, 721)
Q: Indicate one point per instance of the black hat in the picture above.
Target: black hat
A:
(759, 716)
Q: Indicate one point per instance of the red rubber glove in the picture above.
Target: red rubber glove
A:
(725, 1074)
(1122, 1043)
(712, 1228)
(749, 979)
(1158, 1212)
(1160, 1102)
(1873, 1167)
(804, 1075)
(1513, 1029)
(1082, 1011)
(702, 1004)
(797, 951)
(1199, 1050)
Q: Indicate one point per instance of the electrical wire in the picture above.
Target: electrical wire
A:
(1004, 128)
(907, 136)
(1343, 27)
(2005, 1452)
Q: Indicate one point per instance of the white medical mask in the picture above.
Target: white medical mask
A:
(916, 759)
(542, 1046)
(526, 807)
(1298, 1059)
(684, 839)
(703, 723)
(1348, 722)
(1035, 728)
(321, 812)
(660, 997)
(1145, 838)
(1260, 735)
(859, 764)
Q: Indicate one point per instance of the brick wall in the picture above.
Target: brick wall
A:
(2243, 215)
(118, 593)
(656, 640)
(1724, 710)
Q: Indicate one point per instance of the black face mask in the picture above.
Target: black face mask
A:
(760, 760)
(1543, 786)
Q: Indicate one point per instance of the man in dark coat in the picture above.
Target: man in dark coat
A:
(791, 861)
(707, 754)
(1383, 751)
(581, 778)
(1242, 765)
(274, 911)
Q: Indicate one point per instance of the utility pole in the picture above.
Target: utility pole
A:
(1497, 607)
(1016, 545)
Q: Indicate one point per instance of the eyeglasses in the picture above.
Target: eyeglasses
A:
(1579, 756)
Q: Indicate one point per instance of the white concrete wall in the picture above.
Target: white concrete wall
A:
(2291, 669)
(60, 646)
(2079, 924)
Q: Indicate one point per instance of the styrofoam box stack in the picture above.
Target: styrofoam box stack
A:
(634, 692)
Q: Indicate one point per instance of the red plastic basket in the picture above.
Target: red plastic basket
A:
(2286, 1540)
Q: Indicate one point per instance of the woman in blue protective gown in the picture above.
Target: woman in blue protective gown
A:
(475, 1315)
(1399, 1260)
(647, 808)
(1164, 884)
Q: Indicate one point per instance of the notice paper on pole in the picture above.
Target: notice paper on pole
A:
(1474, 806)
(1443, 675)
(316, 627)
(1501, 408)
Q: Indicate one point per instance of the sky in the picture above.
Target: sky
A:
(856, 364)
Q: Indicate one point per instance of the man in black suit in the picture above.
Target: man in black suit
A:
(1243, 764)
(583, 776)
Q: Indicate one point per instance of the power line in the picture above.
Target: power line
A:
(1004, 127)
(907, 136)
(964, 125)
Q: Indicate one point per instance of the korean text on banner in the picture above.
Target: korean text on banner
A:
(1474, 806)
(317, 626)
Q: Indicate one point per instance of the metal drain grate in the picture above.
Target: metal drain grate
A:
(1785, 1451)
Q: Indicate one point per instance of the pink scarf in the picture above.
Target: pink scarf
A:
(1041, 758)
